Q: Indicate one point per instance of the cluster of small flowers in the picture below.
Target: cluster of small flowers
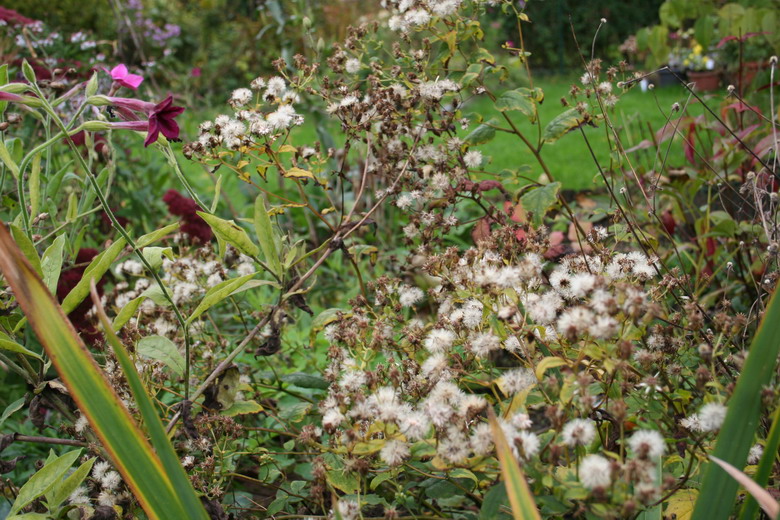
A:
(104, 487)
(187, 278)
(250, 121)
(413, 13)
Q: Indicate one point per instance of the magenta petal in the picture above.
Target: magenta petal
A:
(153, 132)
(132, 81)
(119, 72)
(169, 128)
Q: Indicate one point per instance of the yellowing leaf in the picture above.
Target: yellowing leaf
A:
(298, 173)
(681, 504)
(548, 363)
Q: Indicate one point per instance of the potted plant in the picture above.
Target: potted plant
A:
(701, 69)
(744, 57)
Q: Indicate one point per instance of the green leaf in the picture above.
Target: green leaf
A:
(154, 255)
(162, 349)
(5, 156)
(3, 81)
(11, 409)
(518, 100)
(704, 30)
(28, 72)
(6, 343)
(35, 185)
(472, 73)
(126, 312)
(218, 293)
(51, 263)
(43, 480)
(491, 504)
(163, 491)
(305, 380)
(482, 134)
(382, 477)
(523, 506)
(718, 489)
(265, 235)
(539, 201)
(231, 233)
(154, 236)
(562, 124)
(343, 480)
(96, 269)
(764, 466)
(27, 247)
(63, 490)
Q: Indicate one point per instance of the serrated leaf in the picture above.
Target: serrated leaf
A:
(539, 201)
(515, 100)
(343, 480)
(482, 134)
(562, 124)
(231, 233)
(161, 349)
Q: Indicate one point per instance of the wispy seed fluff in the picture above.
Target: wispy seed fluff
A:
(647, 444)
(439, 340)
(579, 432)
(595, 472)
(516, 380)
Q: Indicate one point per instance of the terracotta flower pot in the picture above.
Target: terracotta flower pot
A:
(705, 80)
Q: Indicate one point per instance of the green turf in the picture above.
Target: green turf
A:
(569, 159)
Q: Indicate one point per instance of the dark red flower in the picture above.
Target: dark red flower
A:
(68, 280)
(161, 121)
(180, 205)
(186, 208)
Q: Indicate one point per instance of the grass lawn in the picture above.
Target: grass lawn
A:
(569, 159)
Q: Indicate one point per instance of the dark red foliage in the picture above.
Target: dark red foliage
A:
(13, 18)
(68, 280)
(192, 225)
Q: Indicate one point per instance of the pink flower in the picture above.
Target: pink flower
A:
(124, 78)
(161, 121)
(195, 72)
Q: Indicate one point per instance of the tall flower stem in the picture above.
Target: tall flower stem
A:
(121, 230)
